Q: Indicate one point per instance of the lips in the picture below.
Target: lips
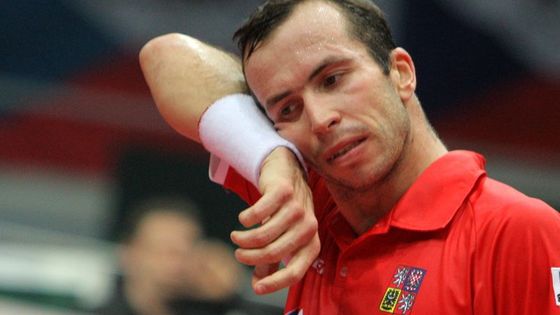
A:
(342, 148)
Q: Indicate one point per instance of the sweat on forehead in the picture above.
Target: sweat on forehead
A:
(314, 31)
(314, 20)
(362, 20)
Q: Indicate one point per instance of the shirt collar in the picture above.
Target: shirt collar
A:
(429, 204)
(438, 193)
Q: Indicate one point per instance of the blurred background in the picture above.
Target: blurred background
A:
(81, 141)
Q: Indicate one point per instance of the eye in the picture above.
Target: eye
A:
(288, 109)
(331, 80)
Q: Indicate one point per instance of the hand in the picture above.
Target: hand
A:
(289, 226)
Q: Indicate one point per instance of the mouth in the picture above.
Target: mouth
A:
(343, 149)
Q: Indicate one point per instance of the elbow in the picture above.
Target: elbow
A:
(159, 46)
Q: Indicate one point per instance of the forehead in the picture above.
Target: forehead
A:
(312, 20)
(309, 23)
(165, 223)
(313, 30)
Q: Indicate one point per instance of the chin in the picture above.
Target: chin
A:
(360, 178)
(354, 181)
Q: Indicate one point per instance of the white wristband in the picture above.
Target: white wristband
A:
(237, 132)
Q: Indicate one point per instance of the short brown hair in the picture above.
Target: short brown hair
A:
(368, 25)
(168, 204)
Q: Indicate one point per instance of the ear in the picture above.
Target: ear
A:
(403, 73)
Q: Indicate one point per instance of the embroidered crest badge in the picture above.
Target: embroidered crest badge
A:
(402, 290)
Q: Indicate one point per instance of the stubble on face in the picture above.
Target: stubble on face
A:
(380, 168)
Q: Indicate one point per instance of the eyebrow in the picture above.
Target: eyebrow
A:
(324, 64)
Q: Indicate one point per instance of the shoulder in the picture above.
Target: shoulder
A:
(496, 200)
(517, 241)
(501, 211)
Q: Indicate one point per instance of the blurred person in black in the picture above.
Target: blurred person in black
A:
(169, 267)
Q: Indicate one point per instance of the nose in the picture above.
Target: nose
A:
(322, 115)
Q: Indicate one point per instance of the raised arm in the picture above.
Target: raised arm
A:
(187, 77)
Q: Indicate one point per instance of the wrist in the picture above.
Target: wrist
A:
(282, 160)
(238, 133)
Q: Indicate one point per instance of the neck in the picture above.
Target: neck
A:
(363, 208)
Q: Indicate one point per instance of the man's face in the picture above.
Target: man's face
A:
(326, 94)
(162, 252)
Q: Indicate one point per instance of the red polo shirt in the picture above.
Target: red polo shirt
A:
(457, 242)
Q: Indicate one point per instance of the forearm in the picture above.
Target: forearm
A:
(185, 77)
(176, 66)
(280, 162)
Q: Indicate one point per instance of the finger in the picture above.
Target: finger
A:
(262, 271)
(269, 231)
(292, 273)
(268, 204)
(287, 243)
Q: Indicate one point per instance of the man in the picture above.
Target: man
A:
(404, 225)
(170, 268)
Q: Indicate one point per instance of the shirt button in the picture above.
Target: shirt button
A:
(344, 271)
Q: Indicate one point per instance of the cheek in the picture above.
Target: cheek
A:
(370, 100)
(293, 134)
(354, 96)
(297, 134)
